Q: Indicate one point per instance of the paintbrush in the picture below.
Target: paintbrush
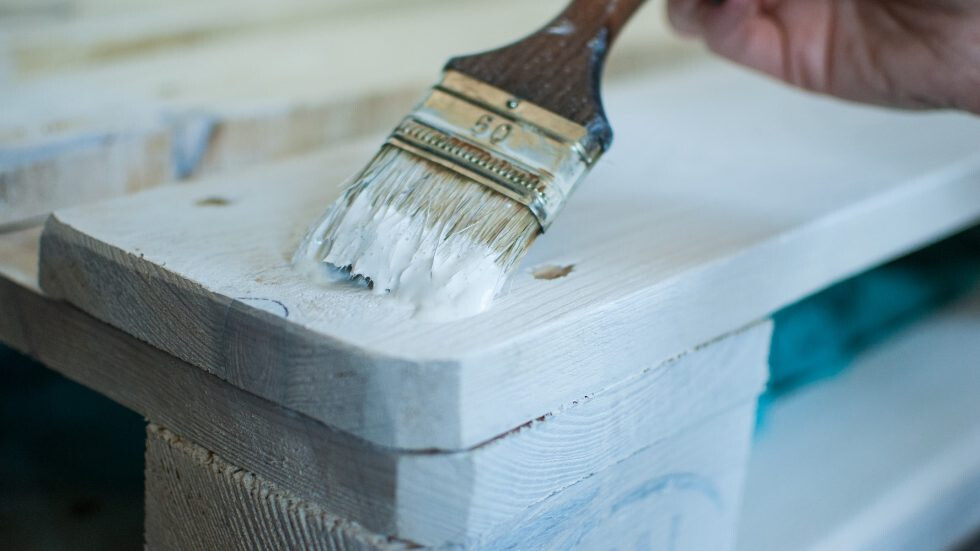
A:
(464, 184)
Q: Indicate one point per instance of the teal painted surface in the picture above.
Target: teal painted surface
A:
(71, 463)
(820, 335)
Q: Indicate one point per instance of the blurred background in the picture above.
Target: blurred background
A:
(99, 98)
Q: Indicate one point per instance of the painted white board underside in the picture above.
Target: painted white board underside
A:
(884, 456)
(726, 197)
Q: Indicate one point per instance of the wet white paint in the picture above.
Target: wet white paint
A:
(564, 27)
(442, 278)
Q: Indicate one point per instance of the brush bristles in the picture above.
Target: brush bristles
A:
(424, 233)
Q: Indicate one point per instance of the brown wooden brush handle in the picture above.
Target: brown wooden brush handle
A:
(560, 66)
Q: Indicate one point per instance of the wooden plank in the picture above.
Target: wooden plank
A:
(681, 493)
(673, 242)
(197, 500)
(103, 129)
(70, 33)
(19, 256)
(64, 35)
(424, 496)
(75, 169)
(525, 466)
(884, 456)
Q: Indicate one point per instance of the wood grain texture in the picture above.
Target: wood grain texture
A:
(423, 496)
(71, 169)
(79, 33)
(19, 256)
(197, 500)
(559, 67)
(675, 240)
(240, 98)
(885, 455)
(680, 493)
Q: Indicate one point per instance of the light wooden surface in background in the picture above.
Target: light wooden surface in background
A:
(126, 122)
(19, 256)
(44, 36)
(681, 493)
(712, 210)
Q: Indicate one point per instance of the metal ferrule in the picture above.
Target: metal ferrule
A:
(514, 147)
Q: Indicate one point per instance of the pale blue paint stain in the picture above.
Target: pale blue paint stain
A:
(685, 482)
(17, 156)
(572, 522)
(191, 135)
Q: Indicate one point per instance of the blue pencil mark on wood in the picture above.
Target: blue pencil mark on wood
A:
(571, 523)
(562, 521)
(21, 155)
(686, 482)
(267, 304)
(191, 137)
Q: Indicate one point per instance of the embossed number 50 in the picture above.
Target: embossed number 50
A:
(485, 123)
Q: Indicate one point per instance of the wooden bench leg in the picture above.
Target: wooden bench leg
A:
(196, 500)
(680, 493)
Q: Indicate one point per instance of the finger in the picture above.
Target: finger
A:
(683, 16)
(742, 32)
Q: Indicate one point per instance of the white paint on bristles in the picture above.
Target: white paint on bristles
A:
(423, 234)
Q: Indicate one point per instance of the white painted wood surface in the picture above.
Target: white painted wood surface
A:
(424, 496)
(681, 493)
(485, 487)
(101, 129)
(884, 456)
(714, 209)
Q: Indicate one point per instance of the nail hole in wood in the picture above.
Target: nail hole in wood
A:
(213, 202)
(551, 271)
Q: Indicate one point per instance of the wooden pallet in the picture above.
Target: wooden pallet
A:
(673, 244)
(181, 304)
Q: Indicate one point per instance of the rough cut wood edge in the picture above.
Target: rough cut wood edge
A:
(196, 500)
(886, 455)
(646, 291)
(682, 493)
(421, 496)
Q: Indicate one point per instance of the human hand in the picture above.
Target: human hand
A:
(900, 53)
